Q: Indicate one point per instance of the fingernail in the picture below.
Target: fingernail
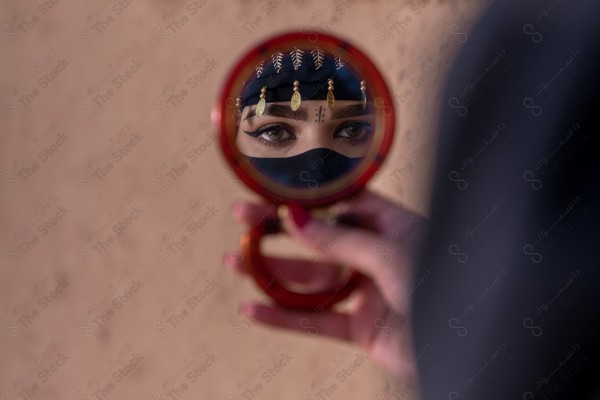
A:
(245, 309)
(299, 215)
(230, 259)
(235, 209)
(257, 310)
(260, 310)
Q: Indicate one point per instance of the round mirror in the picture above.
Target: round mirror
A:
(304, 118)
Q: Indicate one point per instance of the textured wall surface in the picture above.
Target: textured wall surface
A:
(104, 292)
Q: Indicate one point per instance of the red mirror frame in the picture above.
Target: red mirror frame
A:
(222, 114)
(378, 90)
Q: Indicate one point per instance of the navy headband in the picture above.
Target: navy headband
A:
(312, 68)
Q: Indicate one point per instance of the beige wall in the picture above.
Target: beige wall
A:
(67, 251)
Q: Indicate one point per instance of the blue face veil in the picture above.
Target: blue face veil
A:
(314, 75)
(307, 170)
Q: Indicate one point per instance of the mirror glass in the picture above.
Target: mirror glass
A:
(297, 137)
(305, 118)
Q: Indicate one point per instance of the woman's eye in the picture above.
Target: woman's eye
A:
(354, 131)
(272, 134)
(278, 134)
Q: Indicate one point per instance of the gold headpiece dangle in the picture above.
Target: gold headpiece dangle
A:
(238, 106)
(339, 63)
(238, 100)
(260, 107)
(318, 58)
(277, 58)
(330, 96)
(296, 55)
(296, 99)
(259, 68)
(363, 90)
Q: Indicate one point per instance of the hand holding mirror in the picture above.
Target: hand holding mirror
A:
(304, 119)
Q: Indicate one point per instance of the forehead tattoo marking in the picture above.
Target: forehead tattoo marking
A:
(319, 115)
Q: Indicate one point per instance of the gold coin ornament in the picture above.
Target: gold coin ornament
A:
(260, 107)
(330, 96)
(296, 99)
(330, 100)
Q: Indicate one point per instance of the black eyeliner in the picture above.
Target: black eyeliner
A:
(255, 133)
(266, 128)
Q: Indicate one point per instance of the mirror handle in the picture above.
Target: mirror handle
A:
(272, 286)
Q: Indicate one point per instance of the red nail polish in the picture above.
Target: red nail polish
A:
(230, 259)
(259, 310)
(299, 215)
(235, 208)
(246, 310)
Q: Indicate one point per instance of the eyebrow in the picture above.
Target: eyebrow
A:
(352, 111)
(283, 111)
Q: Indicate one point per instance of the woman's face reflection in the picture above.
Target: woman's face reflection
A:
(282, 132)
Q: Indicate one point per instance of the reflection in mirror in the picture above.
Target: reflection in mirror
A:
(304, 118)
